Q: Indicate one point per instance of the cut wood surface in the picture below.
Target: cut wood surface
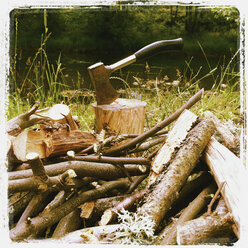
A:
(165, 190)
(228, 169)
(123, 116)
(228, 138)
(174, 139)
(50, 142)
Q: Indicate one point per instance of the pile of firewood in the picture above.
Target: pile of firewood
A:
(160, 187)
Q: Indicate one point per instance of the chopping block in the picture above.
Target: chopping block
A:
(123, 116)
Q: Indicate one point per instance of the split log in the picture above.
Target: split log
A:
(42, 221)
(123, 116)
(50, 141)
(71, 222)
(131, 144)
(228, 169)
(164, 192)
(206, 228)
(173, 142)
(169, 235)
(228, 138)
(111, 214)
(84, 169)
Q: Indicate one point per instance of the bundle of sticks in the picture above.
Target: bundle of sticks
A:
(160, 187)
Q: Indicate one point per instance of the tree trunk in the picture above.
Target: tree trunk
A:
(123, 116)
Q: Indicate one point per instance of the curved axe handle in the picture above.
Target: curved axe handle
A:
(157, 47)
(148, 51)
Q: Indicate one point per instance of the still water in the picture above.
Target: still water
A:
(169, 65)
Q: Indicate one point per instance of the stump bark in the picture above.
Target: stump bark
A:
(123, 116)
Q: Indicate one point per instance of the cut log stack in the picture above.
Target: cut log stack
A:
(71, 185)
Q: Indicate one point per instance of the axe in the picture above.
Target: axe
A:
(100, 74)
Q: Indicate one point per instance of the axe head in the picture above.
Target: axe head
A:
(99, 74)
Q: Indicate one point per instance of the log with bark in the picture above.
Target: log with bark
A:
(207, 229)
(165, 190)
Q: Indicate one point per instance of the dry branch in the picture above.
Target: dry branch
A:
(111, 214)
(17, 203)
(95, 209)
(71, 222)
(34, 207)
(84, 169)
(48, 219)
(53, 184)
(131, 144)
(112, 160)
(165, 190)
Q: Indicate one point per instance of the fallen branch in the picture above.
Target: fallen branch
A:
(112, 160)
(164, 192)
(53, 184)
(131, 144)
(48, 219)
(84, 169)
(17, 204)
(111, 214)
(71, 222)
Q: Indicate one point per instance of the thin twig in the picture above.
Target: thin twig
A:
(215, 198)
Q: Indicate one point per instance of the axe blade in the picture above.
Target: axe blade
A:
(105, 93)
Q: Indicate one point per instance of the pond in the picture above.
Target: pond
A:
(169, 65)
(159, 66)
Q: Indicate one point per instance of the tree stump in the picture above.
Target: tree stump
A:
(123, 116)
